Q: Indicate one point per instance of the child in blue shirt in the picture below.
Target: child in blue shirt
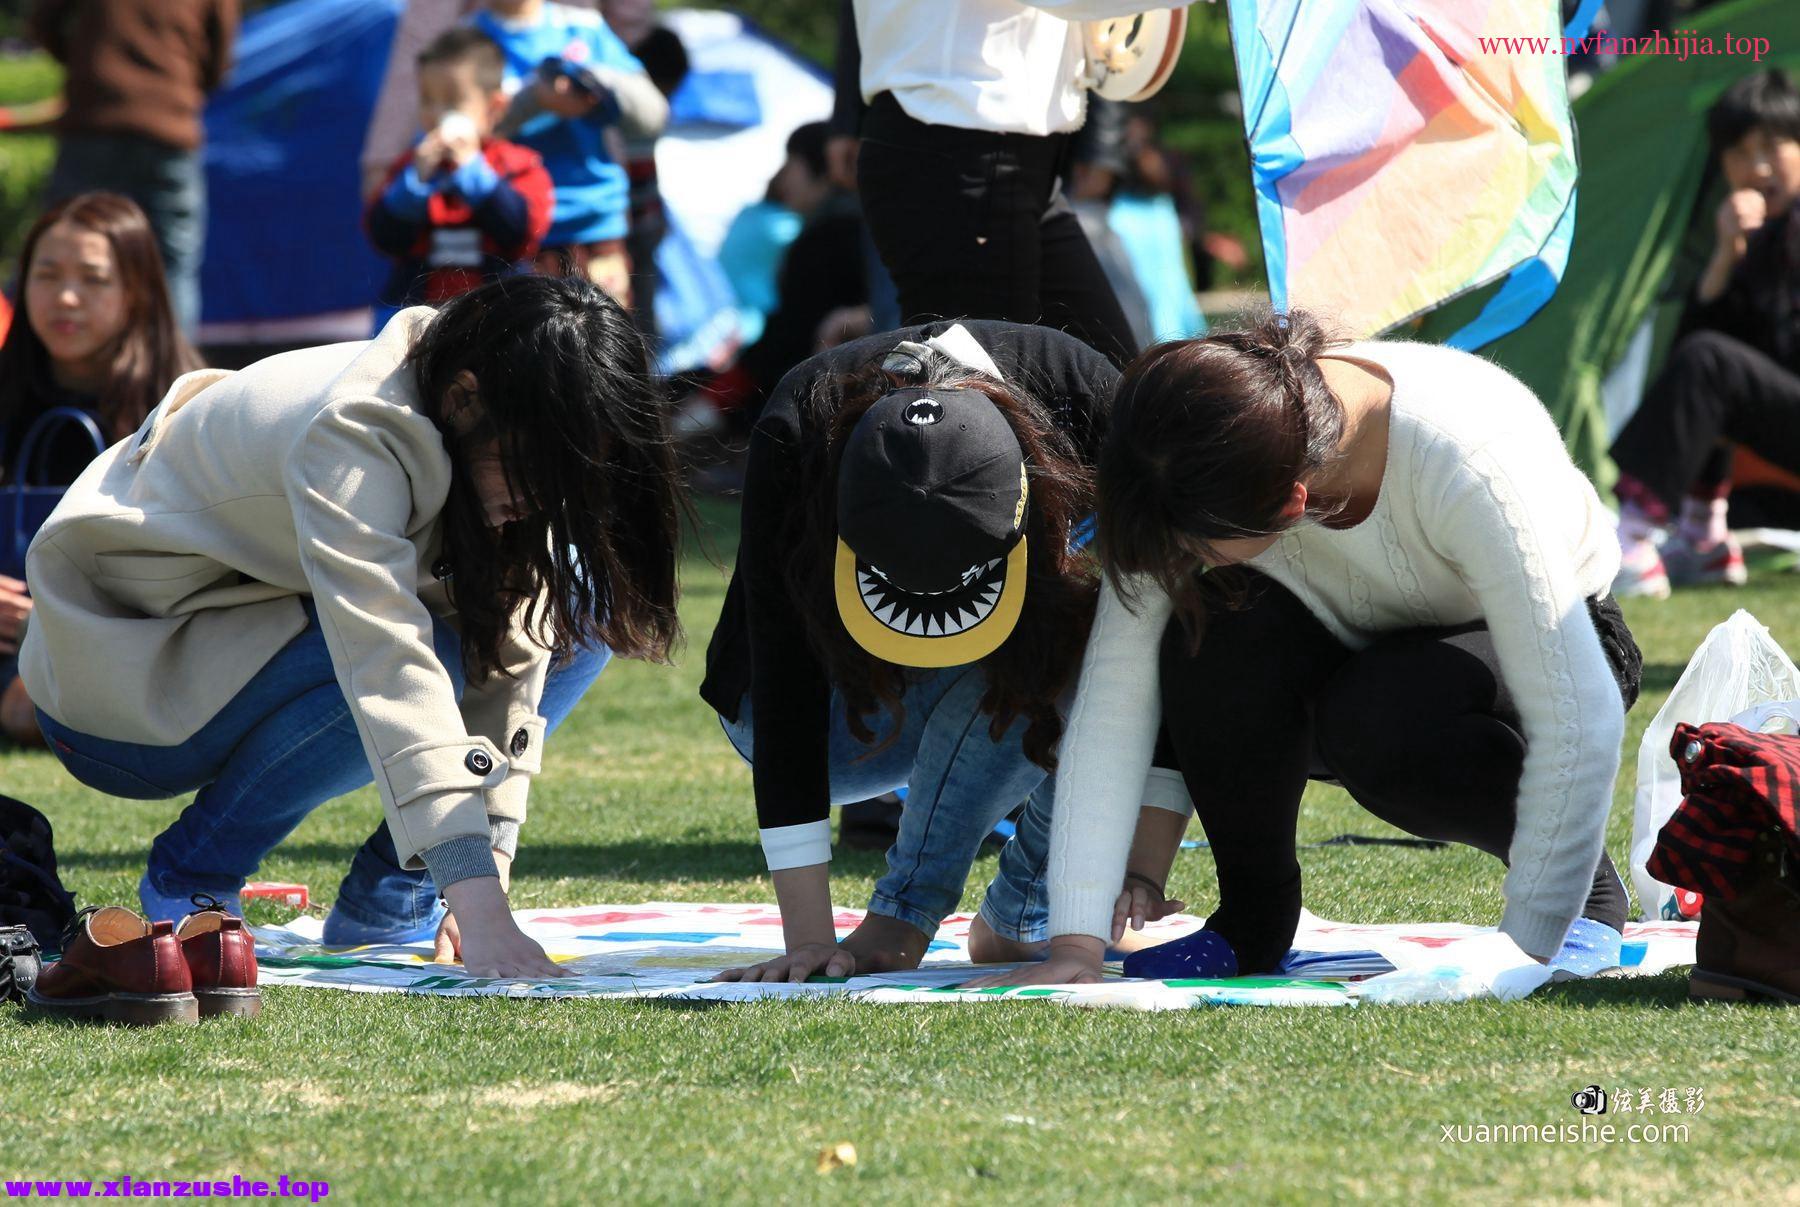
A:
(577, 94)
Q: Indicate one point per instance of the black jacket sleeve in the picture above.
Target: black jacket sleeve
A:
(1757, 305)
(790, 699)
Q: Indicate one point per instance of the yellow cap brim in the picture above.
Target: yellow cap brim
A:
(912, 649)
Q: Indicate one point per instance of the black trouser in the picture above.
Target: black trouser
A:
(1714, 388)
(1417, 727)
(972, 224)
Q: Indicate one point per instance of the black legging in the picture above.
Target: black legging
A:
(1417, 727)
(1713, 388)
(971, 224)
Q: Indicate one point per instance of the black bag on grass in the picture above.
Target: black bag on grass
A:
(31, 894)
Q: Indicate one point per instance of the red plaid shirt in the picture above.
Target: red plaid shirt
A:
(1735, 784)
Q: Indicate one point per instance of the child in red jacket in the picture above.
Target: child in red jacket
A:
(462, 206)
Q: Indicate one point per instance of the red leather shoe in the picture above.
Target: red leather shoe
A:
(221, 959)
(119, 968)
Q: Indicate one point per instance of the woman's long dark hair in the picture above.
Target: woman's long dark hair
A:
(1029, 672)
(1207, 439)
(563, 382)
(148, 354)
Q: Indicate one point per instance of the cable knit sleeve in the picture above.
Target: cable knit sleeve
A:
(1501, 522)
(1105, 756)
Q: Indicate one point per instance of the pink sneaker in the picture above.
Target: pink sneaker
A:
(1641, 572)
(1690, 565)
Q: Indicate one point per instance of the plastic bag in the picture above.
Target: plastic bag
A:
(1738, 674)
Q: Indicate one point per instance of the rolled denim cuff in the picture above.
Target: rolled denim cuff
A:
(462, 858)
(920, 920)
(503, 835)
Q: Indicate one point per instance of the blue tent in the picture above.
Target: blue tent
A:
(284, 238)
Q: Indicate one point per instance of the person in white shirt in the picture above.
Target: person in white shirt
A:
(1417, 609)
(964, 148)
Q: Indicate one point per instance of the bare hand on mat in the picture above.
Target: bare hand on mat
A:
(481, 932)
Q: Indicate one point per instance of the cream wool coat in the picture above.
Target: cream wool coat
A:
(174, 569)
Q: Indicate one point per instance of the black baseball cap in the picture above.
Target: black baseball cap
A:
(931, 550)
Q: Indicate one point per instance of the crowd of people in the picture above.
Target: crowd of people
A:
(995, 553)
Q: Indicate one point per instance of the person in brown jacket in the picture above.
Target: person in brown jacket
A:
(136, 77)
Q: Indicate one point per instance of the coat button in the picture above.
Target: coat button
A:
(479, 762)
(521, 742)
(1690, 753)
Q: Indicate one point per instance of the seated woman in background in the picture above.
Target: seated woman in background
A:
(95, 330)
(402, 560)
(1734, 375)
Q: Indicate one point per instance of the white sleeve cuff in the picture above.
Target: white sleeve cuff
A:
(1165, 789)
(797, 846)
(1082, 909)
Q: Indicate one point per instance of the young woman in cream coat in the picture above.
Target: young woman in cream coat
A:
(401, 560)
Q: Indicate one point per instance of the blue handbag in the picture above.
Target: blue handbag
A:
(26, 501)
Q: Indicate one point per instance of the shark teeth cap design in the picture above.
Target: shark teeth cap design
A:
(936, 614)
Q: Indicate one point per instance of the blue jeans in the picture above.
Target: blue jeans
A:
(168, 184)
(959, 783)
(282, 747)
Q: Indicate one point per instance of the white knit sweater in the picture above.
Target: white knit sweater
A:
(1482, 516)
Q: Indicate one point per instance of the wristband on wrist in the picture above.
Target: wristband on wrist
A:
(1148, 883)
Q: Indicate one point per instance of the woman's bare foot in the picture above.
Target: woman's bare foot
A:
(883, 944)
(986, 947)
(1137, 940)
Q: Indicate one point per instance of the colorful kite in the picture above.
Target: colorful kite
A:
(1400, 160)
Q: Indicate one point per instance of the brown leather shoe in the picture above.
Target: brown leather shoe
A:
(221, 959)
(1749, 947)
(119, 968)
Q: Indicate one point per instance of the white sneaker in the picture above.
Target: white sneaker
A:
(1641, 573)
(1695, 565)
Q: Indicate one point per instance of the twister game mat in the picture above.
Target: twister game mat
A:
(670, 951)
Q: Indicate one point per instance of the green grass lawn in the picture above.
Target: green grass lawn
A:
(583, 1101)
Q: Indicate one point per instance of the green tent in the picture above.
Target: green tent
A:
(1642, 231)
